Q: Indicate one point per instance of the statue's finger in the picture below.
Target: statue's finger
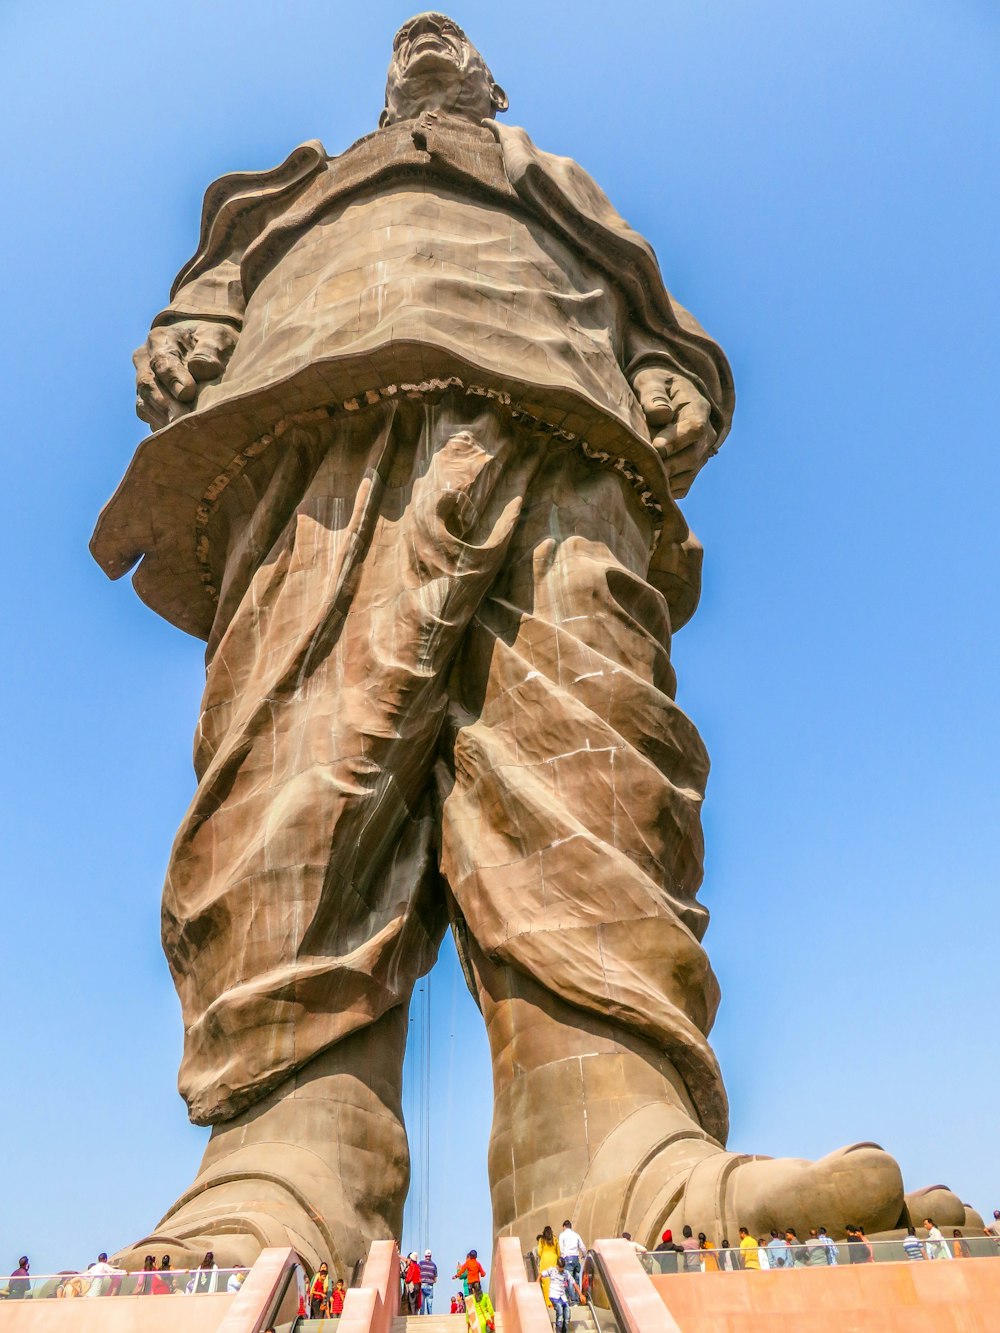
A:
(680, 483)
(151, 403)
(690, 429)
(174, 375)
(652, 388)
(168, 348)
(212, 346)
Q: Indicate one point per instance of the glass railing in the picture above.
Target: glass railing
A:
(162, 1282)
(814, 1253)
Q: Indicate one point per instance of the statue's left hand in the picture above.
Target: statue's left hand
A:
(174, 362)
(679, 420)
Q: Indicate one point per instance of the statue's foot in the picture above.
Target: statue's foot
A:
(656, 1171)
(320, 1165)
(261, 1195)
(631, 1154)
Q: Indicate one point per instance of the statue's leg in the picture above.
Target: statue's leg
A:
(302, 898)
(320, 1163)
(572, 845)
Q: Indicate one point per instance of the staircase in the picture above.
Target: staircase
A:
(429, 1323)
(418, 1323)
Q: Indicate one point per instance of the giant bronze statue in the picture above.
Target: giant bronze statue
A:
(422, 415)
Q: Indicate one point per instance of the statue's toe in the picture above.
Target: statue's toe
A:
(859, 1185)
(939, 1203)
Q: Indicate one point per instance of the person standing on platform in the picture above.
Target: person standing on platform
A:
(20, 1281)
(778, 1253)
(830, 1245)
(797, 1256)
(470, 1272)
(937, 1246)
(428, 1276)
(668, 1250)
(144, 1284)
(692, 1260)
(709, 1258)
(749, 1253)
(411, 1283)
(913, 1247)
(100, 1272)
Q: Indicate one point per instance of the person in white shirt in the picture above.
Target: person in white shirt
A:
(573, 1251)
(236, 1280)
(937, 1246)
(99, 1272)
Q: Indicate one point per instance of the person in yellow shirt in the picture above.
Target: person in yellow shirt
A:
(749, 1253)
(709, 1261)
(548, 1257)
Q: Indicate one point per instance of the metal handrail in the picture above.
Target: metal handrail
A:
(809, 1253)
(70, 1283)
(594, 1269)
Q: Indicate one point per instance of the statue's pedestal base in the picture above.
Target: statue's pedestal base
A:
(961, 1296)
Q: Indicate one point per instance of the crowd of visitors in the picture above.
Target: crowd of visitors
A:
(786, 1249)
(418, 1278)
(102, 1278)
(559, 1260)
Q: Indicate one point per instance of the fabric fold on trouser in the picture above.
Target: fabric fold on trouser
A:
(435, 588)
(301, 899)
(571, 834)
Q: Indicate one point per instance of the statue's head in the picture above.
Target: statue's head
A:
(436, 68)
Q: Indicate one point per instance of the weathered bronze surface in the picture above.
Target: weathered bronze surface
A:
(423, 412)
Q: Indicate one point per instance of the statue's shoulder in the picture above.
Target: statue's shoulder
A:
(235, 203)
(563, 183)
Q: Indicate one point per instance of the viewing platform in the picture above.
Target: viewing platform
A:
(628, 1293)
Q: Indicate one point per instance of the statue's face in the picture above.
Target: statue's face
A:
(436, 68)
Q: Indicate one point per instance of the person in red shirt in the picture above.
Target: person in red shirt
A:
(471, 1271)
(411, 1280)
(319, 1293)
(337, 1299)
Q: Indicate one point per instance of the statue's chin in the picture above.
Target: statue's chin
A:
(433, 58)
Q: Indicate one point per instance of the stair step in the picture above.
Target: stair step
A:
(428, 1323)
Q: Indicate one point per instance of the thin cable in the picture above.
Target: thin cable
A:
(427, 1117)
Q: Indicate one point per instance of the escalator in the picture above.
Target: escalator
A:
(602, 1307)
(599, 1314)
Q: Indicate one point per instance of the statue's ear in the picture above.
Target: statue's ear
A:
(383, 119)
(498, 98)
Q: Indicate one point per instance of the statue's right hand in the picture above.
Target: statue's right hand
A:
(173, 364)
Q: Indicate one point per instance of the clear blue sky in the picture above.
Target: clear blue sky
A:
(820, 183)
